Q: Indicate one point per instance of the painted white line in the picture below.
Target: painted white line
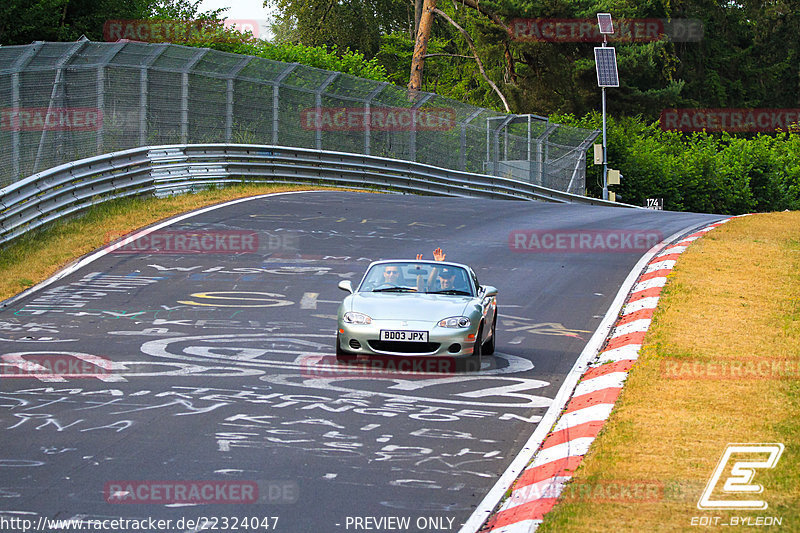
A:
(613, 380)
(637, 326)
(547, 488)
(673, 250)
(650, 284)
(309, 300)
(623, 353)
(595, 413)
(669, 264)
(526, 526)
(573, 448)
(642, 303)
(590, 351)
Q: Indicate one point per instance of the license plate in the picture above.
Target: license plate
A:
(404, 336)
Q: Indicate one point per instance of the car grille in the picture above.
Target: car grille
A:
(404, 347)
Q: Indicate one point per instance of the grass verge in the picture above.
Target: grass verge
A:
(719, 365)
(38, 255)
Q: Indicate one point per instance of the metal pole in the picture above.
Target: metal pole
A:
(58, 89)
(229, 94)
(23, 61)
(143, 82)
(412, 134)
(605, 152)
(318, 101)
(101, 105)
(490, 170)
(530, 163)
(187, 69)
(368, 116)
(114, 49)
(463, 155)
(15, 145)
(276, 101)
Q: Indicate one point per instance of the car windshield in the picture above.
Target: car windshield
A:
(407, 277)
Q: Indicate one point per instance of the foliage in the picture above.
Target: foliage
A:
(22, 22)
(347, 61)
(699, 172)
(356, 24)
(25, 21)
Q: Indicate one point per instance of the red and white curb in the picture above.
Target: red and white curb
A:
(538, 487)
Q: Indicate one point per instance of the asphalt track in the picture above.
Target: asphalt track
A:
(216, 366)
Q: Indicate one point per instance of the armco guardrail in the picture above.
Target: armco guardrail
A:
(163, 170)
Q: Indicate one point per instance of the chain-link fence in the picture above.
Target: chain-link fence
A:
(60, 102)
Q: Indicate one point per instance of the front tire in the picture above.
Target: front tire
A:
(341, 355)
(473, 362)
(488, 348)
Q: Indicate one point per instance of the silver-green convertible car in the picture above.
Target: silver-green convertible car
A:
(417, 308)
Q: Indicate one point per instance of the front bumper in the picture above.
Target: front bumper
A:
(364, 339)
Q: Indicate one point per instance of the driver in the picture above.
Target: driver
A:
(446, 278)
(392, 275)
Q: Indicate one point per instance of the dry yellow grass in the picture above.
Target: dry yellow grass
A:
(33, 258)
(734, 296)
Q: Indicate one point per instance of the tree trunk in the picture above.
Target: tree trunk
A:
(417, 15)
(421, 45)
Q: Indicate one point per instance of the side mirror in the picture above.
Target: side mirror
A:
(346, 285)
(488, 291)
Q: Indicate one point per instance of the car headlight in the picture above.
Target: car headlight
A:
(455, 322)
(352, 317)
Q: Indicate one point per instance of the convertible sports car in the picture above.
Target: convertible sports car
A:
(417, 308)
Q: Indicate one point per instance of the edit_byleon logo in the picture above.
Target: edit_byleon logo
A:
(744, 461)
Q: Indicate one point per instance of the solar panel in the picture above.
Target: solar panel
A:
(605, 58)
(604, 21)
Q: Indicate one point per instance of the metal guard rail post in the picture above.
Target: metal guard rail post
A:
(162, 170)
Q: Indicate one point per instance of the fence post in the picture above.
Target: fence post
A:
(368, 115)
(229, 96)
(101, 92)
(276, 100)
(318, 101)
(143, 80)
(185, 93)
(58, 87)
(22, 61)
(463, 155)
(413, 133)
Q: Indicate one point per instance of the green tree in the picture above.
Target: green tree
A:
(749, 55)
(25, 21)
(346, 24)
